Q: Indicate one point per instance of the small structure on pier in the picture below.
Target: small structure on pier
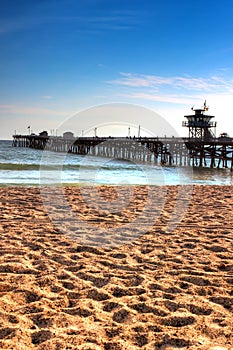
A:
(68, 135)
(44, 133)
(200, 125)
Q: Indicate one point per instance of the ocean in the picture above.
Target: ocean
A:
(30, 167)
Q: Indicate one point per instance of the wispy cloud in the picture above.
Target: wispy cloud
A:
(174, 89)
(184, 82)
(47, 97)
(172, 98)
(30, 110)
(89, 24)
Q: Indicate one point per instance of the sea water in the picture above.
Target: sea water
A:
(26, 166)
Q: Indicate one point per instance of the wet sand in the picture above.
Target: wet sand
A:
(162, 289)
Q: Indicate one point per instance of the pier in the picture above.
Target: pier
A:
(200, 149)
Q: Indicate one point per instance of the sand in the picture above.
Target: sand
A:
(162, 289)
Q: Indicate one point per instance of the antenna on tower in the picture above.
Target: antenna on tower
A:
(205, 107)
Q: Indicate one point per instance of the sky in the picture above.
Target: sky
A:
(61, 57)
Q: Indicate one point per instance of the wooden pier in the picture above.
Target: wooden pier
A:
(200, 149)
(173, 151)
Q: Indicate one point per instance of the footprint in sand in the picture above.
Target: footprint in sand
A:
(5, 288)
(40, 337)
(198, 310)
(140, 339)
(168, 342)
(178, 321)
(112, 332)
(89, 249)
(226, 302)
(31, 309)
(133, 281)
(198, 281)
(26, 297)
(172, 306)
(143, 309)
(98, 282)
(112, 346)
(41, 321)
(169, 296)
(121, 316)
(7, 333)
(68, 285)
(78, 311)
(118, 255)
(94, 294)
(110, 306)
(13, 319)
(121, 292)
(216, 248)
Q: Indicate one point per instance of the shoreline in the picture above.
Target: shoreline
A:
(160, 289)
(65, 185)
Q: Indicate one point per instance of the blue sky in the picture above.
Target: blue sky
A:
(60, 57)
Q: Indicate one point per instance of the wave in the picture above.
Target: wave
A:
(36, 167)
(18, 167)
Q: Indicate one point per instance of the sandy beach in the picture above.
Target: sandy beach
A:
(162, 289)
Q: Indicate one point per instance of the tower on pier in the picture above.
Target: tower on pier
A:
(200, 125)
